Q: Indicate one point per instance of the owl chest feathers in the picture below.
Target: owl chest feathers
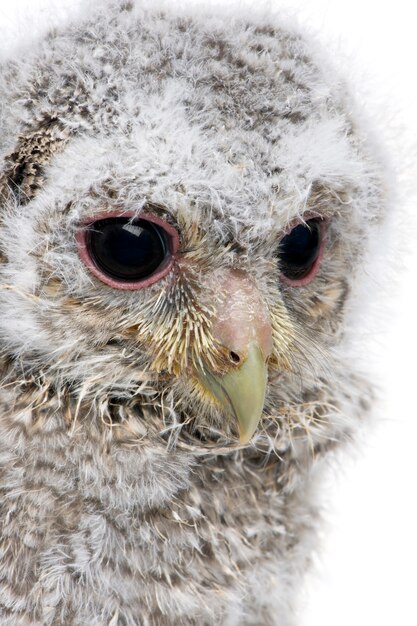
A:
(117, 531)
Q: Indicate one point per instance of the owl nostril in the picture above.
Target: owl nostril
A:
(234, 357)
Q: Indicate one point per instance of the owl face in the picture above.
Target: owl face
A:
(183, 215)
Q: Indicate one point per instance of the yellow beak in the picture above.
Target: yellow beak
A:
(241, 392)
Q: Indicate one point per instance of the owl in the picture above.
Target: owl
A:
(186, 199)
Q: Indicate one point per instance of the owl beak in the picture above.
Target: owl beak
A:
(242, 326)
(241, 392)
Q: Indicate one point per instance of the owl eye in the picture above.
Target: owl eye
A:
(126, 252)
(300, 251)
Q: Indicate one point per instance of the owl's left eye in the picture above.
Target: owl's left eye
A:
(300, 251)
(127, 252)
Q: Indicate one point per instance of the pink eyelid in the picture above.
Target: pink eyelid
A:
(323, 223)
(82, 244)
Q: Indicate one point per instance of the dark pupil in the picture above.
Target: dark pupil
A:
(127, 249)
(299, 249)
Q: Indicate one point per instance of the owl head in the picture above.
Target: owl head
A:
(185, 200)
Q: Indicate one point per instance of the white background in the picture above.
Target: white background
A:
(366, 574)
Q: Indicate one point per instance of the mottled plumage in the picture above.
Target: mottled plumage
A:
(126, 497)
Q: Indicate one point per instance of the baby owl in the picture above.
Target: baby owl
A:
(186, 197)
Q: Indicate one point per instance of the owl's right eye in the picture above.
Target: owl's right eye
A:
(127, 252)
